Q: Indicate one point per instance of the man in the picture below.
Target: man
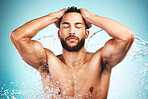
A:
(75, 74)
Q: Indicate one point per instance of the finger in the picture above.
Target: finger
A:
(56, 24)
(81, 10)
(89, 24)
(63, 10)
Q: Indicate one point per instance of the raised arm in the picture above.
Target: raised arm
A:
(116, 48)
(32, 51)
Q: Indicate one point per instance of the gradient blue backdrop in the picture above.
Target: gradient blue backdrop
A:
(128, 79)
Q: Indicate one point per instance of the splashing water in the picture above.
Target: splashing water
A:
(140, 49)
(33, 90)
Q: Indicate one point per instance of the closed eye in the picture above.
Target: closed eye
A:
(65, 26)
(79, 25)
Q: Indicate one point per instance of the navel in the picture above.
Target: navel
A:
(91, 89)
(59, 91)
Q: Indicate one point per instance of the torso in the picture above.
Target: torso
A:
(88, 82)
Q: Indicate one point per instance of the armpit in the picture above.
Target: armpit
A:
(43, 69)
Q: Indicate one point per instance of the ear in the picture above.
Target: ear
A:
(59, 34)
(86, 34)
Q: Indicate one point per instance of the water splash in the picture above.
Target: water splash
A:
(95, 34)
(140, 49)
(29, 91)
(20, 89)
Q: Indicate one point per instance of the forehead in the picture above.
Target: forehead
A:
(72, 17)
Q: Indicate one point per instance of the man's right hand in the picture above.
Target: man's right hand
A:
(58, 15)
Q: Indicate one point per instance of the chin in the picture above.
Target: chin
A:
(71, 44)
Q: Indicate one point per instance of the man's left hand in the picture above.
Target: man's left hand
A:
(86, 15)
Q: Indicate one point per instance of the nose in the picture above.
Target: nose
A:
(72, 31)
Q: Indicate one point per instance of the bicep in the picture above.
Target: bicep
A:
(32, 52)
(114, 51)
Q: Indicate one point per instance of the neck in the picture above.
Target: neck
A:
(74, 59)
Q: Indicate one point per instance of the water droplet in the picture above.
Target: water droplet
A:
(58, 82)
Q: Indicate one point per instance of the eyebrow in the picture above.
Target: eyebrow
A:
(78, 23)
(65, 23)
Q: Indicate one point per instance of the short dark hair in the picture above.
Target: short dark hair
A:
(73, 9)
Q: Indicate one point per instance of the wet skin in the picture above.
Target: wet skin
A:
(77, 75)
(81, 79)
(89, 81)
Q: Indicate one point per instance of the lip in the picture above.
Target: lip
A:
(72, 38)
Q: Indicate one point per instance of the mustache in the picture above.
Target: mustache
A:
(72, 36)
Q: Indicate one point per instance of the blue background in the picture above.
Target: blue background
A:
(128, 79)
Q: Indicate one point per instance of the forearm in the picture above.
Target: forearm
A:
(113, 28)
(31, 28)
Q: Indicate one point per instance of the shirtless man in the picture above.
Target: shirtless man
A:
(75, 74)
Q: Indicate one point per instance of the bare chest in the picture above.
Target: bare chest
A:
(64, 82)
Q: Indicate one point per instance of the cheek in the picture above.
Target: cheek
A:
(64, 31)
(81, 32)
(63, 34)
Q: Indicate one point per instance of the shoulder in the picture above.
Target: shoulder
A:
(96, 55)
(48, 51)
(96, 60)
(50, 54)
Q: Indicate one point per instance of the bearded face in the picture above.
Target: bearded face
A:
(72, 33)
(72, 48)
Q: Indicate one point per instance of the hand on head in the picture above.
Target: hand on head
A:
(58, 15)
(85, 14)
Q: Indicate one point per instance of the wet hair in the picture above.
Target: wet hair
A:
(72, 9)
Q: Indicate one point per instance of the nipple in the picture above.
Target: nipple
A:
(91, 89)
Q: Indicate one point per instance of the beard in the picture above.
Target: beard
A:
(74, 48)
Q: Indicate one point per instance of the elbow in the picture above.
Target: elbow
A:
(14, 37)
(130, 37)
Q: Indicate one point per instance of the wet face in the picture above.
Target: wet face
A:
(72, 32)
